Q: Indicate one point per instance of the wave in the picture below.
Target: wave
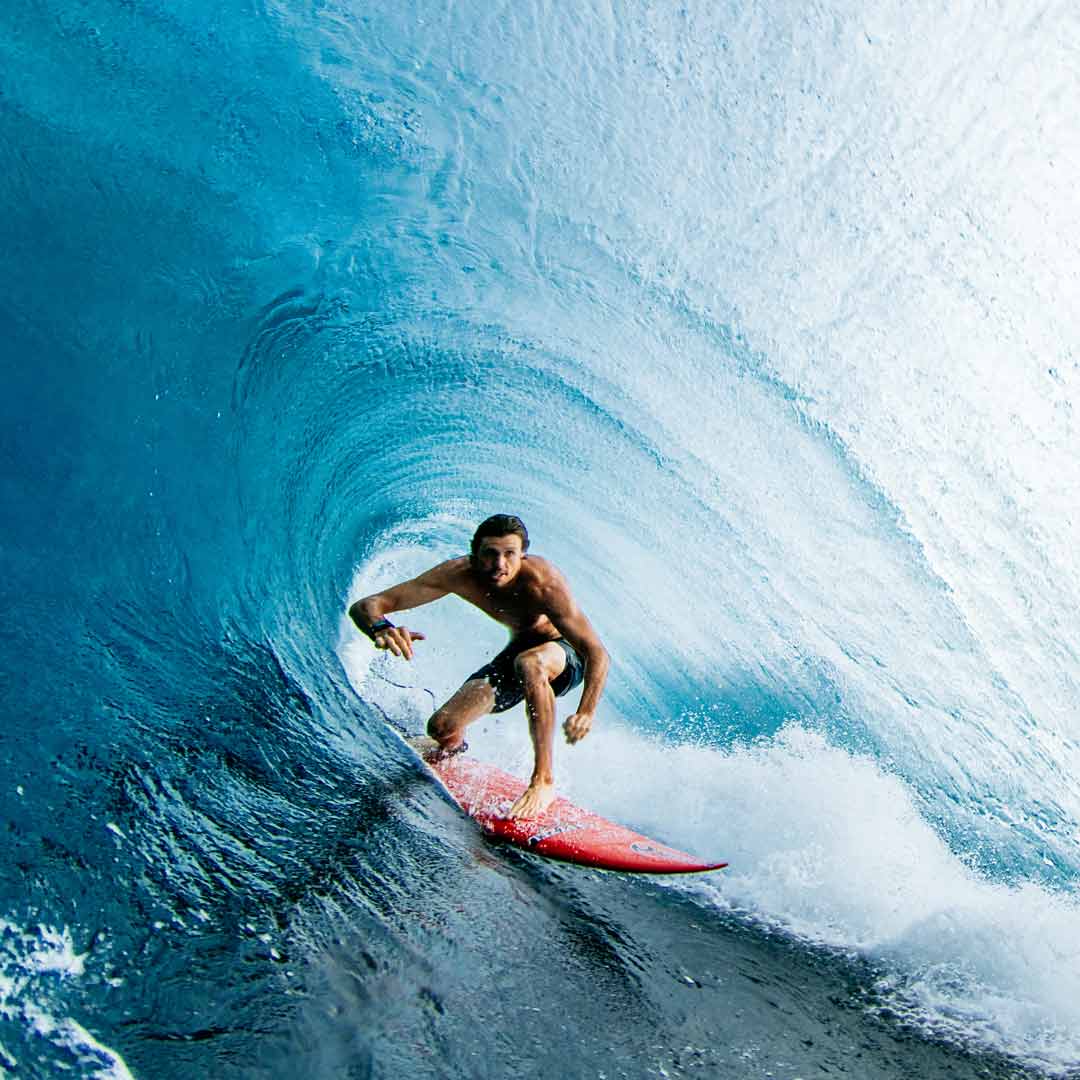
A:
(754, 314)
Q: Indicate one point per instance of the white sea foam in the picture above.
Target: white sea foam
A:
(35, 965)
(830, 847)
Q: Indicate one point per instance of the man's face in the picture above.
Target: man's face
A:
(498, 559)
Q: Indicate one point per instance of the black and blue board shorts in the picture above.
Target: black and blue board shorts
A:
(506, 683)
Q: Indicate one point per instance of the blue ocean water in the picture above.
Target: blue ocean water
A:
(760, 314)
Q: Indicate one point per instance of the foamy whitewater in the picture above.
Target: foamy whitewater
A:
(760, 315)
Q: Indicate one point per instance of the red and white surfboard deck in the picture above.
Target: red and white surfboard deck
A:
(564, 831)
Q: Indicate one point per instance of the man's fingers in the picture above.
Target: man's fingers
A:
(577, 727)
(398, 640)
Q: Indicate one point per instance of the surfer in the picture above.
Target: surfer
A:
(552, 649)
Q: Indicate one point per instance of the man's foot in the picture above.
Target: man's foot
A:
(424, 745)
(534, 800)
(430, 750)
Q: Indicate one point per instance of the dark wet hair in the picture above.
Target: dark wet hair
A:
(500, 525)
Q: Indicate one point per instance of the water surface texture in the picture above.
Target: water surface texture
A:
(761, 314)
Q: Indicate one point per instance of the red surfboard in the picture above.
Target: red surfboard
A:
(564, 831)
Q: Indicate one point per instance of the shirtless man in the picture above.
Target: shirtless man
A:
(552, 645)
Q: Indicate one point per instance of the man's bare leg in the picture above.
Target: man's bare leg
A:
(537, 667)
(448, 723)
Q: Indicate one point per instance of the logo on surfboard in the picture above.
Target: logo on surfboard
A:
(547, 834)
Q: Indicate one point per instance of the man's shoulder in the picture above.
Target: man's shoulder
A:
(536, 566)
(543, 574)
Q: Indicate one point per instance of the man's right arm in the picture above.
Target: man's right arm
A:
(369, 614)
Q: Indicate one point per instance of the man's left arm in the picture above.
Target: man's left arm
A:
(571, 622)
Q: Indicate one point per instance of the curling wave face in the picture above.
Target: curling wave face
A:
(741, 308)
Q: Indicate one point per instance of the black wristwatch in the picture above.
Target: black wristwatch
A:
(376, 628)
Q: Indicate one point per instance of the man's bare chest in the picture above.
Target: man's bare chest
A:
(516, 608)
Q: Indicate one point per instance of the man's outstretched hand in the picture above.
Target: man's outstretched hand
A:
(398, 640)
(577, 726)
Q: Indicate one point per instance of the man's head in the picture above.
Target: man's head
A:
(498, 546)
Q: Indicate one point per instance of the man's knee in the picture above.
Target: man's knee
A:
(442, 724)
(532, 670)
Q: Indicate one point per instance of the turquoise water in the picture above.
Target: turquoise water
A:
(760, 315)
